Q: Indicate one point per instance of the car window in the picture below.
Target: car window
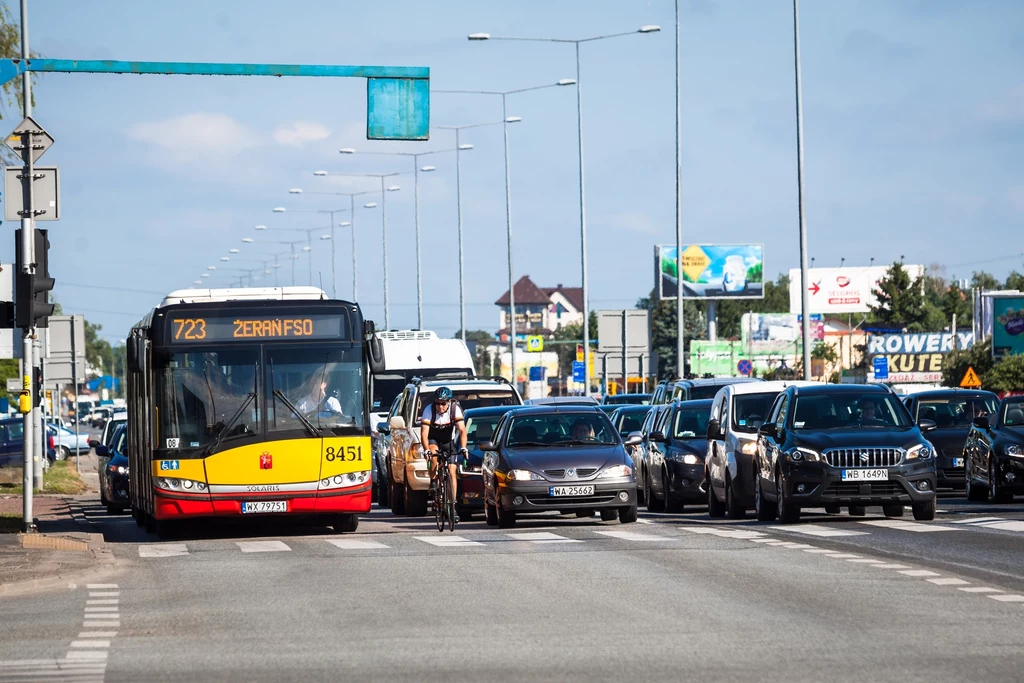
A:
(699, 392)
(555, 429)
(15, 431)
(690, 423)
(849, 409)
(749, 411)
(631, 421)
(783, 407)
(956, 411)
(724, 419)
(470, 398)
(1013, 414)
(481, 428)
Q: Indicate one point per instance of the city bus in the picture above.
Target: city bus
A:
(250, 402)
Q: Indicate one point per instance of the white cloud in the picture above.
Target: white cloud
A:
(299, 133)
(1006, 108)
(186, 138)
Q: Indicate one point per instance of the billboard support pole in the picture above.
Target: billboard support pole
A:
(804, 297)
(680, 322)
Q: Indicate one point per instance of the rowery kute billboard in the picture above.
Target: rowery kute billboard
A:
(711, 271)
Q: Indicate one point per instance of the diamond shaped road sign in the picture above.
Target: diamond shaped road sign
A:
(695, 262)
(41, 141)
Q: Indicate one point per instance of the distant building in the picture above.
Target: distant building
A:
(540, 310)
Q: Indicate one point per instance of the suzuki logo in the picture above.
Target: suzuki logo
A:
(266, 461)
(864, 456)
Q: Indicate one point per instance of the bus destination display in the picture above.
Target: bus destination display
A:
(190, 329)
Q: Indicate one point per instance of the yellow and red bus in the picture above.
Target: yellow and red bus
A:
(250, 402)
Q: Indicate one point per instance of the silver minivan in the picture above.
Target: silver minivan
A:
(736, 414)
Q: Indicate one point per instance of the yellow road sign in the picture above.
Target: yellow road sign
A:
(695, 262)
(971, 379)
(535, 343)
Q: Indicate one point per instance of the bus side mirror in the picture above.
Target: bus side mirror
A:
(375, 353)
(135, 350)
(368, 328)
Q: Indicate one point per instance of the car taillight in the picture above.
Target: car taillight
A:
(51, 441)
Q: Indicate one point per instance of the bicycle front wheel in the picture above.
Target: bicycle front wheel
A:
(449, 499)
(439, 496)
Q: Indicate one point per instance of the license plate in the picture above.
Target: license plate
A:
(866, 475)
(958, 462)
(265, 506)
(572, 491)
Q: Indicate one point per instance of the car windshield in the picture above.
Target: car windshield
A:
(849, 409)
(480, 429)
(691, 423)
(390, 383)
(471, 399)
(749, 411)
(702, 392)
(561, 429)
(629, 399)
(1013, 414)
(956, 411)
(630, 421)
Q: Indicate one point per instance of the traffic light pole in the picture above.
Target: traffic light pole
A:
(28, 266)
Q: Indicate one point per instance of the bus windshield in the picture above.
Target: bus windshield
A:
(322, 384)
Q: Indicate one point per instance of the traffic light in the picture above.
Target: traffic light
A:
(32, 306)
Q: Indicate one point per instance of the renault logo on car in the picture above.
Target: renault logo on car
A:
(570, 472)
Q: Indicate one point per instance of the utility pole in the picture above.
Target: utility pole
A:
(28, 267)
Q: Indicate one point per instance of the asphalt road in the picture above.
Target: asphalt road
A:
(674, 597)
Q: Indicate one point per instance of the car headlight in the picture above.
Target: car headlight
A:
(523, 475)
(1014, 450)
(921, 451)
(686, 458)
(616, 472)
(748, 448)
(471, 469)
(800, 453)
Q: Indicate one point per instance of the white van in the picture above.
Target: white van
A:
(415, 353)
(736, 414)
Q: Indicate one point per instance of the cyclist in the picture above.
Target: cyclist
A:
(438, 423)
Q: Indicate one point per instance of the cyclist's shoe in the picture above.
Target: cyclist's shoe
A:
(433, 487)
(457, 518)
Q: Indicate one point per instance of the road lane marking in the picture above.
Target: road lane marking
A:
(86, 654)
(104, 594)
(355, 544)
(862, 560)
(906, 526)
(262, 546)
(114, 601)
(90, 643)
(1006, 525)
(980, 589)
(742, 534)
(918, 572)
(101, 624)
(101, 586)
(843, 556)
(90, 610)
(948, 582)
(448, 541)
(163, 550)
(633, 536)
(1008, 598)
(891, 566)
(976, 520)
(796, 546)
(97, 634)
(819, 530)
(541, 537)
(821, 551)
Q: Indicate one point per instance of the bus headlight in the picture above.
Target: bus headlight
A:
(348, 480)
(171, 484)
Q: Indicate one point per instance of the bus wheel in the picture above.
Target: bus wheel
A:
(150, 523)
(346, 524)
(139, 516)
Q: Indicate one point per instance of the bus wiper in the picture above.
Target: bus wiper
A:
(313, 431)
(222, 432)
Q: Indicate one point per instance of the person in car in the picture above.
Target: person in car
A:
(582, 431)
(867, 413)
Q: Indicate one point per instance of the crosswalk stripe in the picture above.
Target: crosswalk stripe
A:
(1008, 598)
(624, 535)
(977, 520)
(819, 530)
(1005, 525)
(101, 624)
(355, 544)
(541, 537)
(980, 589)
(743, 534)
(949, 582)
(448, 541)
(91, 643)
(918, 572)
(262, 546)
(906, 526)
(162, 550)
(101, 586)
(890, 566)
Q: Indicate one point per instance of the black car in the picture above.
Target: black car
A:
(12, 444)
(113, 472)
(557, 458)
(696, 389)
(953, 411)
(673, 467)
(480, 424)
(995, 454)
(842, 444)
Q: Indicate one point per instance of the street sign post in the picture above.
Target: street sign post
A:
(535, 343)
(881, 367)
(578, 375)
(41, 140)
(971, 379)
(45, 193)
(745, 367)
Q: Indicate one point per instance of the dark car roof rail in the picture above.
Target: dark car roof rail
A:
(495, 378)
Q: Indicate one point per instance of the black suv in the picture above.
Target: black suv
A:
(833, 445)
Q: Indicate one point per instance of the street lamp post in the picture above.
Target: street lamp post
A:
(334, 268)
(352, 213)
(579, 135)
(309, 236)
(505, 120)
(805, 303)
(459, 148)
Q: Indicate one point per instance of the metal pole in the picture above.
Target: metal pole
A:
(334, 266)
(291, 245)
(74, 387)
(309, 252)
(508, 234)
(680, 324)
(583, 232)
(384, 230)
(805, 303)
(28, 265)
(458, 205)
(40, 422)
(275, 270)
(419, 278)
(352, 214)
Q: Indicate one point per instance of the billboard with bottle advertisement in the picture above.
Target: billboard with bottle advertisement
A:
(1007, 326)
(711, 271)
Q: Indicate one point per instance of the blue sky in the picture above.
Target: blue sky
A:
(914, 126)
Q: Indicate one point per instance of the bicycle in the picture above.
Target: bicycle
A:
(444, 505)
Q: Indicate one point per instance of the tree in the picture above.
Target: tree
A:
(955, 363)
(955, 302)
(900, 301)
(1015, 281)
(983, 280)
(98, 352)
(1006, 375)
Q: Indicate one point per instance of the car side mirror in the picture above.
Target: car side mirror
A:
(927, 425)
(658, 437)
(383, 428)
(397, 422)
(768, 430)
(634, 439)
(487, 446)
(93, 443)
(981, 422)
(102, 451)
